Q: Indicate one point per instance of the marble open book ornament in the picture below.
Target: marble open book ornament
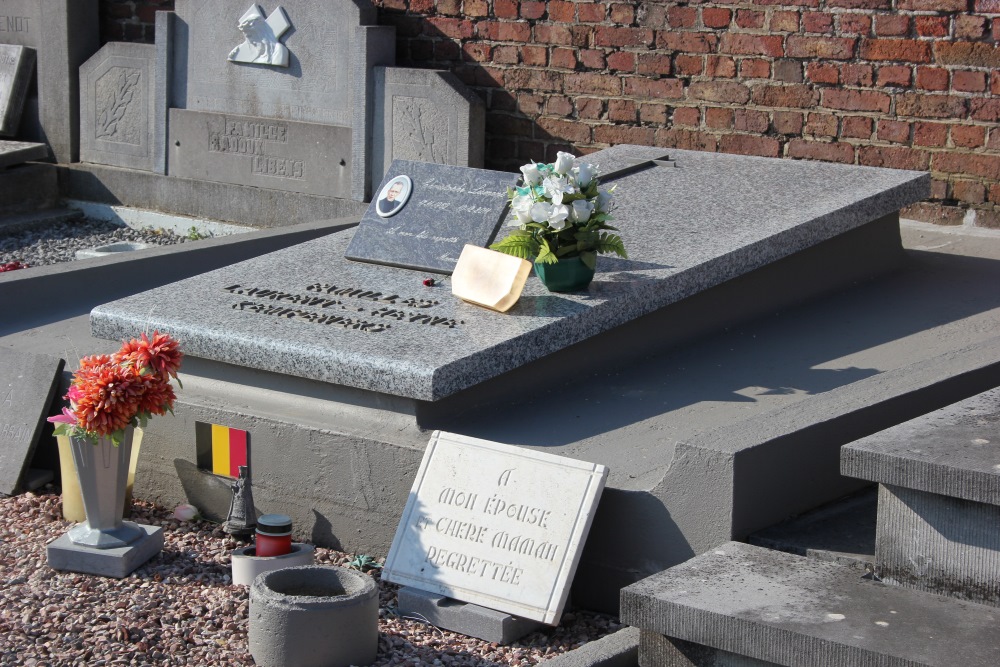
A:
(488, 278)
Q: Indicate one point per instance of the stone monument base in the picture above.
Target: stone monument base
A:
(64, 554)
(469, 619)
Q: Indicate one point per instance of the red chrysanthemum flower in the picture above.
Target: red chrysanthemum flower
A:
(157, 398)
(108, 398)
(160, 355)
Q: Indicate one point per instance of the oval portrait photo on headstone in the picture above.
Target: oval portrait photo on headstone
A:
(393, 196)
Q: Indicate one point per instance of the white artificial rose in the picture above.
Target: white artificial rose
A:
(556, 186)
(582, 210)
(531, 174)
(585, 173)
(521, 205)
(604, 201)
(559, 217)
(540, 211)
(563, 163)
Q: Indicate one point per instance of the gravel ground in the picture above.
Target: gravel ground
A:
(59, 241)
(181, 609)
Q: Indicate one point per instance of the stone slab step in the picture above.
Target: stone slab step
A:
(800, 612)
(13, 153)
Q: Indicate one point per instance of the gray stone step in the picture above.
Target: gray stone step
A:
(789, 610)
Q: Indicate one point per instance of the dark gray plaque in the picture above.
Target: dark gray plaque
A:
(446, 207)
(16, 65)
(27, 384)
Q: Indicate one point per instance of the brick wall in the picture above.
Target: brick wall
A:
(911, 84)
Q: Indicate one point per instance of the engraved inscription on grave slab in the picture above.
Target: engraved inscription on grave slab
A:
(16, 66)
(495, 525)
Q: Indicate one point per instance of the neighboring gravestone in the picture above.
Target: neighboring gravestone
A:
(16, 65)
(64, 33)
(446, 207)
(28, 383)
(331, 48)
(495, 525)
(425, 115)
(121, 123)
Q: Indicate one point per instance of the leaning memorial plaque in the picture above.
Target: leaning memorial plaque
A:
(16, 66)
(495, 525)
(422, 215)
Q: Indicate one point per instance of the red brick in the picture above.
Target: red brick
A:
(509, 125)
(653, 113)
(718, 118)
(968, 26)
(787, 70)
(533, 79)
(857, 75)
(968, 136)
(562, 35)
(658, 63)
(686, 140)
(565, 58)
(932, 78)
(821, 150)
(782, 22)
(606, 36)
(654, 88)
(622, 12)
(532, 10)
(719, 91)
(930, 106)
(476, 8)
(529, 104)
(447, 50)
(655, 15)
(993, 142)
(754, 68)
(995, 194)
(970, 192)
(933, 135)
(859, 4)
(932, 5)
(682, 16)
(907, 50)
(529, 150)
(796, 95)
(720, 67)
(749, 19)
(894, 157)
(855, 24)
(894, 75)
(985, 110)
(716, 17)
(931, 26)
(621, 61)
(968, 82)
(855, 100)
(562, 12)
(505, 9)
(744, 144)
(892, 25)
(689, 65)
(622, 110)
(939, 188)
(477, 52)
(995, 81)
(592, 58)
(687, 116)
(593, 84)
(895, 131)
(623, 134)
(453, 28)
(821, 22)
(989, 219)
(821, 125)
(590, 12)
(558, 105)
(686, 42)
(967, 54)
(934, 213)
(690, 116)
(748, 120)
(793, 3)
(744, 44)
(589, 108)
(829, 48)
(856, 127)
(823, 73)
(535, 56)
(787, 122)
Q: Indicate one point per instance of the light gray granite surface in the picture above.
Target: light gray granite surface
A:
(687, 227)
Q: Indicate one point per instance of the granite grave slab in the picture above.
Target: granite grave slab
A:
(263, 152)
(28, 383)
(446, 208)
(13, 153)
(17, 64)
(428, 116)
(122, 117)
(495, 525)
(309, 312)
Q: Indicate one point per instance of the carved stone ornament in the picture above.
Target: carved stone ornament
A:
(242, 519)
(262, 45)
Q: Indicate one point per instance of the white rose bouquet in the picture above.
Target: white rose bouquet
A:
(561, 213)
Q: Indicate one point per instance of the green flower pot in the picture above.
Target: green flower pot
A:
(569, 274)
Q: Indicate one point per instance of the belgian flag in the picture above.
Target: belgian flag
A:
(221, 450)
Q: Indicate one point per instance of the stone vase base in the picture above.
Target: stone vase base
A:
(65, 554)
(247, 565)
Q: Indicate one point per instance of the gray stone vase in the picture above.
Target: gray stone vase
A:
(102, 470)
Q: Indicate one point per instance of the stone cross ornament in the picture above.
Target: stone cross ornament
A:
(262, 45)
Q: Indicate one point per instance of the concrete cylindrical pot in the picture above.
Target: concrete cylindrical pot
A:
(313, 616)
(247, 564)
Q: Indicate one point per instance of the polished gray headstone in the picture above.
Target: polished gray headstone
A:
(689, 227)
(28, 384)
(447, 208)
(13, 153)
(121, 124)
(17, 63)
(801, 612)
(426, 115)
(262, 152)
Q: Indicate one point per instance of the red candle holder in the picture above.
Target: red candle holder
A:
(274, 535)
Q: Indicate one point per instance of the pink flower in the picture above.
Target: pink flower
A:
(66, 417)
(185, 512)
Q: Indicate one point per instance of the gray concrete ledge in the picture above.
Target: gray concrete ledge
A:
(619, 649)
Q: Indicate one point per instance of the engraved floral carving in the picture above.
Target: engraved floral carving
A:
(417, 134)
(116, 93)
